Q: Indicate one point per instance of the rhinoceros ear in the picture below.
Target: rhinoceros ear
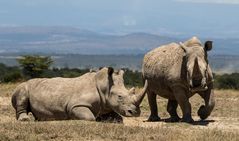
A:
(104, 80)
(208, 46)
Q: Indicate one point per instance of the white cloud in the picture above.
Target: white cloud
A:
(211, 1)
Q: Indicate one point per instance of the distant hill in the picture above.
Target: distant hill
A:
(68, 40)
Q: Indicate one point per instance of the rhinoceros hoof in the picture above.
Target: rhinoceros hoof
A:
(153, 118)
(24, 117)
(187, 119)
(173, 119)
(202, 112)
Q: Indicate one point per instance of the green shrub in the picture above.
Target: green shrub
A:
(227, 81)
(133, 78)
(10, 74)
(69, 73)
(12, 77)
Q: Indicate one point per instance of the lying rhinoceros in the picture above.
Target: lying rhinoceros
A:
(84, 98)
(176, 72)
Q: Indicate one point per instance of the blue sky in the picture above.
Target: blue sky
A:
(205, 18)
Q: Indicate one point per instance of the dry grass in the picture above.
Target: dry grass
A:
(6, 89)
(225, 127)
(82, 130)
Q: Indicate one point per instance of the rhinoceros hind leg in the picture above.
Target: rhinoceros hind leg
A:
(22, 105)
(172, 110)
(153, 107)
(23, 117)
(82, 113)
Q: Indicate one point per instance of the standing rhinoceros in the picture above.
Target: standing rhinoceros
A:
(85, 98)
(176, 72)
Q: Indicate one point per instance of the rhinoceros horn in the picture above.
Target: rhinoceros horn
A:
(139, 97)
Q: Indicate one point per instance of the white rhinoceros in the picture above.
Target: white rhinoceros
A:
(176, 72)
(84, 98)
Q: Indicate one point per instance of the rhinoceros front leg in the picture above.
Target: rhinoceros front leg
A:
(82, 113)
(153, 107)
(183, 101)
(172, 110)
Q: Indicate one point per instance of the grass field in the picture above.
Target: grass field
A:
(222, 125)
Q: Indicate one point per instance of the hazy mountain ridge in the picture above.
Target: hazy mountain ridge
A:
(65, 40)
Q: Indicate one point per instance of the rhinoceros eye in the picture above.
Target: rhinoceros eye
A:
(120, 97)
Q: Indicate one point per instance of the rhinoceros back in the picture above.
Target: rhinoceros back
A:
(163, 62)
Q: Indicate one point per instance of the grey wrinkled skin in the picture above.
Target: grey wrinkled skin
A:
(176, 72)
(87, 97)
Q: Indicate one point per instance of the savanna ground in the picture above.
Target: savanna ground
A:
(223, 124)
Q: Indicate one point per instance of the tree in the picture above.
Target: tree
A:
(34, 65)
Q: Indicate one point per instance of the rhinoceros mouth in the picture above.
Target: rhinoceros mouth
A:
(198, 84)
(130, 113)
(199, 87)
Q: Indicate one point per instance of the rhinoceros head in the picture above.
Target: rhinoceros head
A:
(110, 84)
(196, 63)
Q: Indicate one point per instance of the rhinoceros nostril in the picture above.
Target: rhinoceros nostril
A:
(130, 111)
(197, 82)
